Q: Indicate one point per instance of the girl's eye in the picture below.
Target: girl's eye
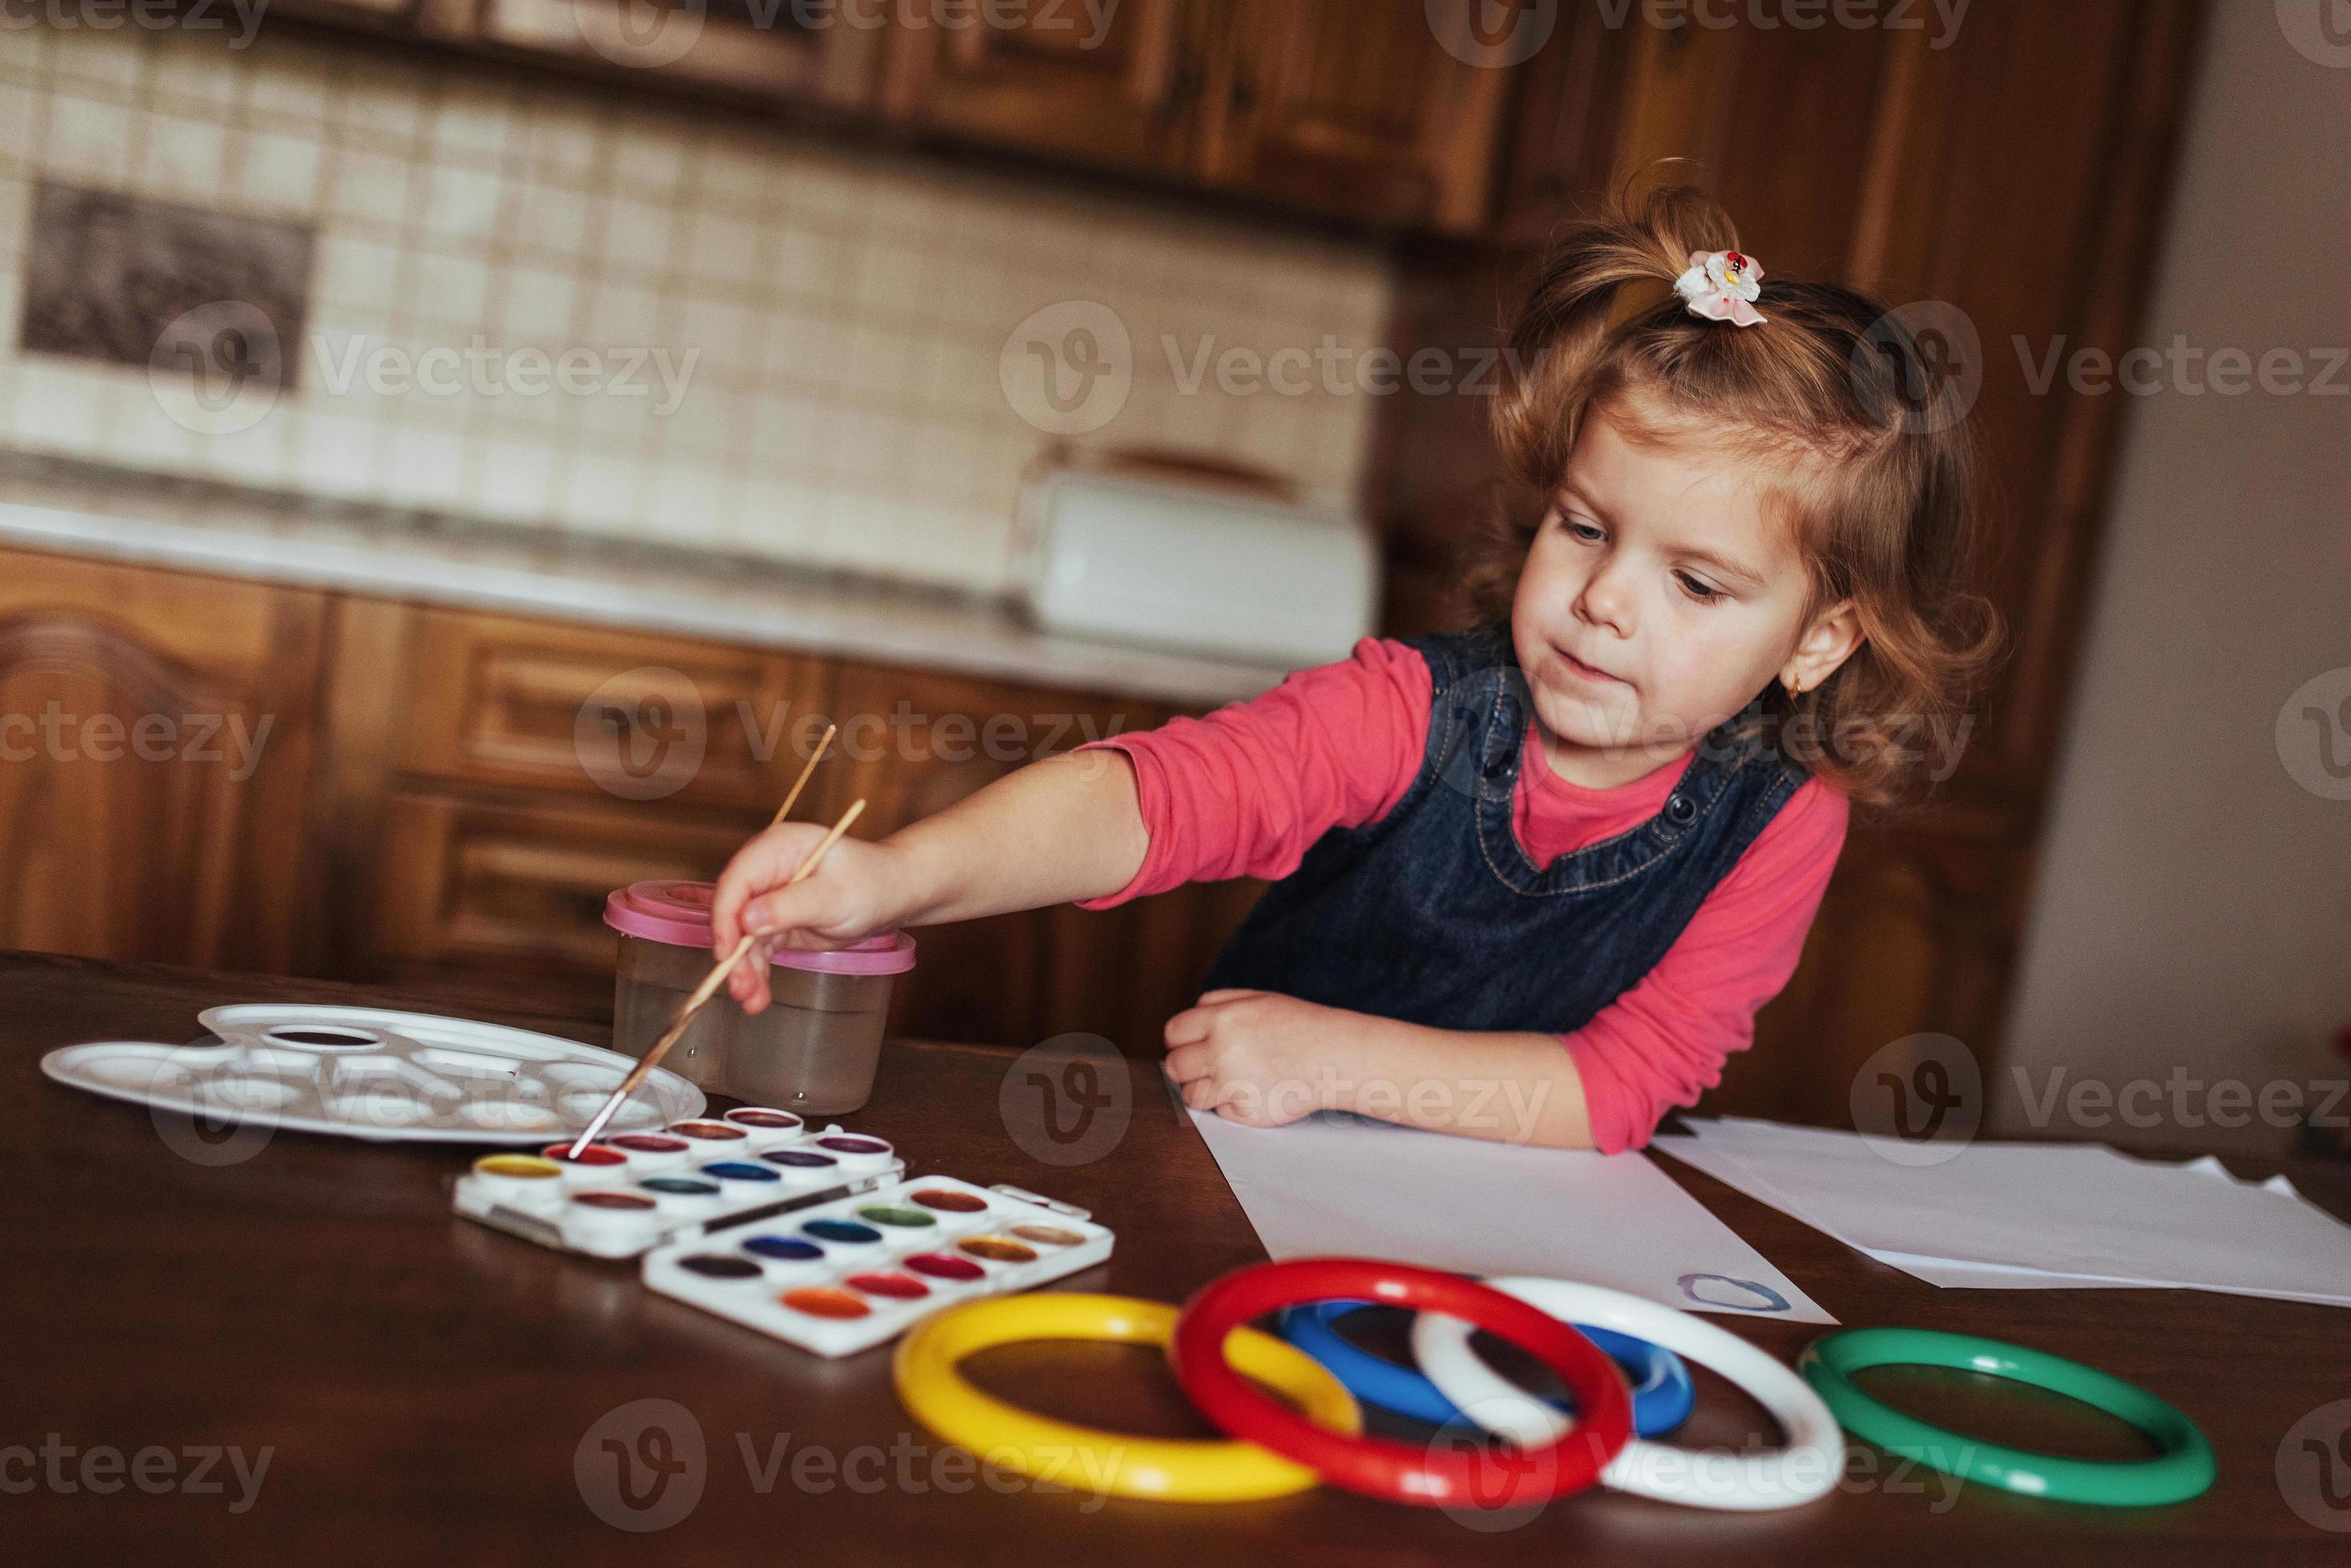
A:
(1582, 530)
(1698, 590)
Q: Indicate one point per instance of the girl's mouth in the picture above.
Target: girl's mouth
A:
(1577, 668)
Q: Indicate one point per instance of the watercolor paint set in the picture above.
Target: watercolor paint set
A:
(632, 1191)
(375, 1073)
(855, 1271)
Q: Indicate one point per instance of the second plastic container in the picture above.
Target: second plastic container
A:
(814, 1050)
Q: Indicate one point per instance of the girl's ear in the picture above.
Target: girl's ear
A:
(1827, 643)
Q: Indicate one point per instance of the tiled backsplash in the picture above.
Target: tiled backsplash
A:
(839, 319)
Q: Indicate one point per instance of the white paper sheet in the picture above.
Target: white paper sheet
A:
(1341, 1185)
(2037, 1216)
(1951, 1273)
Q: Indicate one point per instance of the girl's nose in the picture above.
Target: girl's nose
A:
(1604, 600)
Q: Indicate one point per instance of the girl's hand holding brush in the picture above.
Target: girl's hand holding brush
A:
(851, 895)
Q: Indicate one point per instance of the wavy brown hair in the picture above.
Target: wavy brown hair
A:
(1885, 507)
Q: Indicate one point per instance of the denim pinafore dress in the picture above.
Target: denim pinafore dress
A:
(1433, 914)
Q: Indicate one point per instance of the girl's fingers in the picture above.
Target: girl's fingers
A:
(1201, 1095)
(754, 972)
(1186, 1062)
(788, 912)
(750, 873)
(764, 863)
(1188, 1027)
(1210, 998)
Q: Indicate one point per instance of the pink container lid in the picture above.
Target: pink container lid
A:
(678, 914)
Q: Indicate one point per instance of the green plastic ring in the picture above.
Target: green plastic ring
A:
(2185, 1468)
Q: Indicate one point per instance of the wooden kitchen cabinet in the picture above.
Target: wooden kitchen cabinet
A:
(491, 778)
(1353, 109)
(157, 732)
(1122, 98)
(1345, 108)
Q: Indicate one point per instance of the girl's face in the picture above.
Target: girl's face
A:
(1657, 602)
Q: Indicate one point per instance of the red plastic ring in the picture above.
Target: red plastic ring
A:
(1468, 1476)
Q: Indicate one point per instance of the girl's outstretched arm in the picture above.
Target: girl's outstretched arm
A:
(1057, 831)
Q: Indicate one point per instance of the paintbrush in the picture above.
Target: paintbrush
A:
(711, 981)
(702, 992)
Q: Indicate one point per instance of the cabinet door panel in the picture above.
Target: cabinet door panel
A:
(512, 884)
(1053, 84)
(156, 734)
(506, 702)
(748, 47)
(1354, 107)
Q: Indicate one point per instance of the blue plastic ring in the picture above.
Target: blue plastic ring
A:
(1662, 1391)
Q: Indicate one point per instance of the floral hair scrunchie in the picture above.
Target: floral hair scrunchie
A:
(1722, 285)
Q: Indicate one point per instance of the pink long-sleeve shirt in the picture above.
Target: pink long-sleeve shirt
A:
(1248, 790)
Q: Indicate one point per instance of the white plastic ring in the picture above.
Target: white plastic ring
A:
(1807, 1468)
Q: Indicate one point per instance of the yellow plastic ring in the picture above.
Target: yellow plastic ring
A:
(1086, 1459)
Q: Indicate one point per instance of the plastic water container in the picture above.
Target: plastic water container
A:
(815, 1048)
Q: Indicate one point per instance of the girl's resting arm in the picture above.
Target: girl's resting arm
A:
(1663, 1042)
(1247, 790)
(1658, 1044)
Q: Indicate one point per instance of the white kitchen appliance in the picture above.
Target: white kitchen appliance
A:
(1209, 566)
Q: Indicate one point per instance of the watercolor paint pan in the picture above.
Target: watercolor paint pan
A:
(633, 1191)
(374, 1073)
(853, 1273)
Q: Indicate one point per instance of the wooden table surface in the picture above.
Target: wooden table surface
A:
(427, 1389)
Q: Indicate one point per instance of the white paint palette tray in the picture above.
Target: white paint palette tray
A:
(372, 1073)
(851, 1274)
(632, 1191)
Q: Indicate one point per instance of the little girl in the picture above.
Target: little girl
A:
(1536, 878)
